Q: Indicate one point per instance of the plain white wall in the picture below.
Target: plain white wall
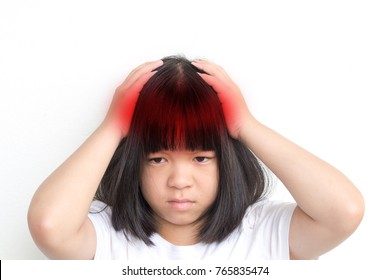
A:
(315, 71)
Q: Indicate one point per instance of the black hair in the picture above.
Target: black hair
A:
(177, 109)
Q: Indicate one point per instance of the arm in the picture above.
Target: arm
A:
(58, 213)
(329, 206)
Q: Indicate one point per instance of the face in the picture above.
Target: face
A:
(180, 185)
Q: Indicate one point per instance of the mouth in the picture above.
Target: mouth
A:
(181, 204)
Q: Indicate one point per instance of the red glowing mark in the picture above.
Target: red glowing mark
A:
(126, 109)
(232, 102)
(128, 98)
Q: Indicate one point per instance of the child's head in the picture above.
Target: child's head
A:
(177, 111)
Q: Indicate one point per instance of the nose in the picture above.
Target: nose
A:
(180, 177)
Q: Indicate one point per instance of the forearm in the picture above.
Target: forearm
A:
(61, 203)
(319, 189)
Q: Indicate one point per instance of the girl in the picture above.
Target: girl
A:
(173, 172)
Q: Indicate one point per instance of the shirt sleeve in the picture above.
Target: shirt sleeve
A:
(100, 216)
(270, 224)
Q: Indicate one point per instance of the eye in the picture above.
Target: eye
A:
(202, 159)
(157, 160)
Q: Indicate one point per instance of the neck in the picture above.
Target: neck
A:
(180, 235)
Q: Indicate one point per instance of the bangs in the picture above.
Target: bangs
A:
(182, 112)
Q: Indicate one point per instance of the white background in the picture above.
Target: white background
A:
(318, 72)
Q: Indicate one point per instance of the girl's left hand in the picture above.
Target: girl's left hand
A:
(235, 110)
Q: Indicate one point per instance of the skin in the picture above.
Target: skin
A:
(180, 186)
(329, 207)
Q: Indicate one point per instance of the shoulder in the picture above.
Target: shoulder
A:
(99, 207)
(264, 232)
(108, 240)
(267, 225)
(268, 210)
(100, 215)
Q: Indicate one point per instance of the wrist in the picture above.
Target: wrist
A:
(247, 128)
(112, 129)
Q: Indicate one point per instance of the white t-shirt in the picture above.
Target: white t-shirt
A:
(263, 235)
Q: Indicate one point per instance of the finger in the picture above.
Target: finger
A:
(212, 69)
(130, 95)
(214, 82)
(147, 66)
(139, 83)
(139, 71)
(129, 101)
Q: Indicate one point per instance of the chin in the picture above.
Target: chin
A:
(181, 221)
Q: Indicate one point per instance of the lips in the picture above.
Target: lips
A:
(181, 204)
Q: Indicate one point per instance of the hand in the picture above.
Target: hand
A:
(233, 104)
(126, 95)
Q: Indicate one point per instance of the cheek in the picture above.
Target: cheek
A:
(149, 194)
(211, 183)
(215, 189)
(149, 184)
(145, 184)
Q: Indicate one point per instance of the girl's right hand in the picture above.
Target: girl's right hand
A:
(126, 95)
